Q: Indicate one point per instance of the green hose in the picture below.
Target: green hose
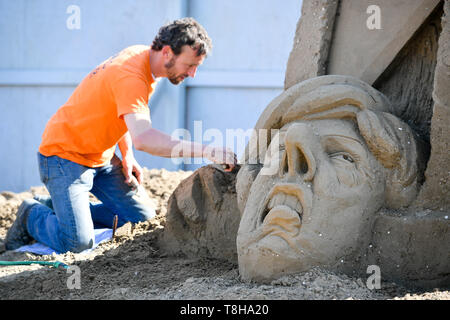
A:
(55, 264)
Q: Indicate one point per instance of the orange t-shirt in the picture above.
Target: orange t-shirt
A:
(88, 126)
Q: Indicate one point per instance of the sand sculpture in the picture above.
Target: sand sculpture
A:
(359, 173)
(330, 190)
(340, 156)
(202, 215)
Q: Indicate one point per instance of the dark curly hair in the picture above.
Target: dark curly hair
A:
(181, 32)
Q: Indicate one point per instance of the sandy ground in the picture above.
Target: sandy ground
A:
(132, 267)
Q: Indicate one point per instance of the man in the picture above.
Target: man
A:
(109, 108)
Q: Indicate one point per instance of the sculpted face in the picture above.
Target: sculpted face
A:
(318, 208)
(339, 156)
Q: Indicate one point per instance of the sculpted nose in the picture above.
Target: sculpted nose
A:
(298, 159)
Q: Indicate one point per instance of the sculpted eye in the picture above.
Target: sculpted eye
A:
(348, 158)
(342, 156)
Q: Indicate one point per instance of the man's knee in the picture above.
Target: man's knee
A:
(148, 214)
(144, 206)
(79, 244)
(144, 214)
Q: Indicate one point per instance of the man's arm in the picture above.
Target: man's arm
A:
(129, 163)
(145, 138)
(125, 145)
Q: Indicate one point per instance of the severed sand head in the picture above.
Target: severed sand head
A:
(330, 155)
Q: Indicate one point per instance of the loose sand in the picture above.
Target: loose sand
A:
(132, 267)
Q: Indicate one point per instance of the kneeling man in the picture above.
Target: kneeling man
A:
(77, 153)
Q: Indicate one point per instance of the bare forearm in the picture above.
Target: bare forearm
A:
(145, 138)
(161, 144)
(126, 145)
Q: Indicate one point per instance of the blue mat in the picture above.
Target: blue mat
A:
(101, 235)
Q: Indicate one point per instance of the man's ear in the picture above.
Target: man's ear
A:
(394, 145)
(167, 52)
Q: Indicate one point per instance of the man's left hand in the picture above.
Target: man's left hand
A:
(131, 168)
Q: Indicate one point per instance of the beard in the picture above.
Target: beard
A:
(171, 74)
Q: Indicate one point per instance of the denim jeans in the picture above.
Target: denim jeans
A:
(68, 223)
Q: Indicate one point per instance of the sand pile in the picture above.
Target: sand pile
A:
(133, 267)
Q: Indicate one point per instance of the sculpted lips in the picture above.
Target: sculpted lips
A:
(288, 200)
(283, 211)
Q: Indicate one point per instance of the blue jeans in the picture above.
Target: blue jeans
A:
(68, 223)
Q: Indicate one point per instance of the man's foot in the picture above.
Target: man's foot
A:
(45, 200)
(18, 235)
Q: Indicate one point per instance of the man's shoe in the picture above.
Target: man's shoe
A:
(18, 235)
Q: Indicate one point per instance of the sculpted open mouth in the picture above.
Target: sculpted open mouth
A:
(283, 210)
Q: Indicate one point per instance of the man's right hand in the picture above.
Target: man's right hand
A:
(223, 156)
